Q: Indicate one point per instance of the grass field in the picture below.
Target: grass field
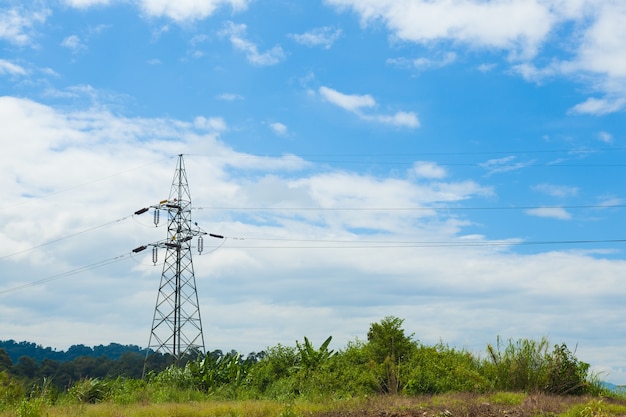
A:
(499, 404)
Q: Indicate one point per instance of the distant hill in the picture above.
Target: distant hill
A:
(615, 388)
(112, 351)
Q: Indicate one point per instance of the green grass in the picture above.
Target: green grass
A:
(206, 408)
(449, 404)
(506, 398)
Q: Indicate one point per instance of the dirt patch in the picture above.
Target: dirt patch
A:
(459, 405)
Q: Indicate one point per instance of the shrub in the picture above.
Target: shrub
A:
(439, 369)
(90, 390)
(529, 366)
(11, 391)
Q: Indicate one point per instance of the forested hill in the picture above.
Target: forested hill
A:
(112, 351)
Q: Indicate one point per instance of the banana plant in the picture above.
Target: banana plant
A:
(215, 370)
(310, 358)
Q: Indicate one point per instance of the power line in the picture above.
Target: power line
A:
(411, 154)
(330, 209)
(68, 273)
(418, 208)
(84, 184)
(345, 244)
(381, 244)
(64, 237)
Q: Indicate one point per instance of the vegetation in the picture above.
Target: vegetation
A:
(390, 369)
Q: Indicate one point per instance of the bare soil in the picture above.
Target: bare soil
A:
(464, 405)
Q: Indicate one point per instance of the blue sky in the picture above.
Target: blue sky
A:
(454, 163)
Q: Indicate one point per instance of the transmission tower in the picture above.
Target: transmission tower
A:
(176, 324)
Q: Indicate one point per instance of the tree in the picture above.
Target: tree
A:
(5, 360)
(388, 346)
(26, 367)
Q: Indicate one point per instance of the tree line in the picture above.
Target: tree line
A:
(389, 361)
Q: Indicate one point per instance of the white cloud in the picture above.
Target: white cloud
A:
(82, 4)
(602, 49)
(424, 63)
(230, 97)
(278, 128)
(400, 119)
(188, 10)
(430, 170)
(237, 36)
(10, 68)
(592, 54)
(599, 106)
(210, 124)
(355, 103)
(550, 212)
(605, 137)
(73, 43)
(486, 67)
(350, 102)
(505, 164)
(561, 191)
(323, 36)
(519, 26)
(17, 24)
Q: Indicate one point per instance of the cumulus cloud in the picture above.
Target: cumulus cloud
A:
(323, 36)
(350, 102)
(278, 128)
(356, 104)
(429, 170)
(211, 123)
(518, 26)
(236, 33)
(73, 43)
(592, 55)
(188, 10)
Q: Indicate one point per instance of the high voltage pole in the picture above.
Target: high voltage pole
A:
(176, 324)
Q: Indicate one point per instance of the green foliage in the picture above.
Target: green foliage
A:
(11, 391)
(128, 391)
(272, 376)
(175, 377)
(354, 371)
(311, 359)
(89, 391)
(529, 366)
(388, 362)
(566, 374)
(216, 370)
(388, 348)
(439, 369)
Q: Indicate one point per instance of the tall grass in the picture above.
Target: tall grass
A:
(530, 366)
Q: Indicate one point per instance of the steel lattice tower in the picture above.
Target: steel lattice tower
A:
(176, 325)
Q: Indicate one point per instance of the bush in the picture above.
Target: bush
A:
(275, 368)
(529, 366)
(439, 369)
(90, 390)
(11, 391)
